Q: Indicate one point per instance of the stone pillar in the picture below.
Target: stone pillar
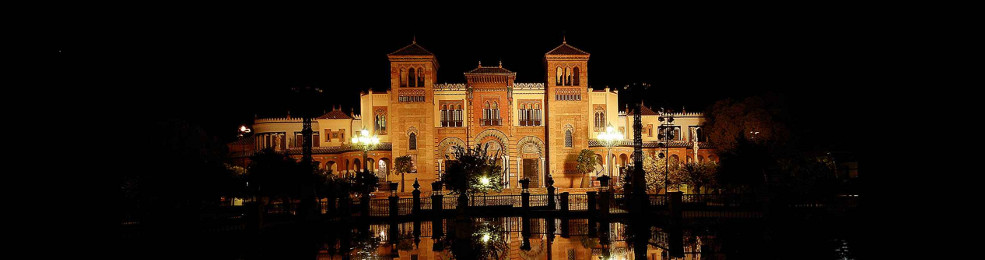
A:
(604, 198)
(416, 210)
(364, 207)
(436, 198)
(591, 201)
(394, 204)
(551, 204)
(674, 206)
(525, 200)
(564, 202)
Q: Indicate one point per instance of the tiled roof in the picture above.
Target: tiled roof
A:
(317, 150)
(565, 49)
(490, 70)
(651, 144)
(335, 114)
(412, 50)
(646, 112)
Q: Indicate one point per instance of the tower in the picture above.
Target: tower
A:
(568, 110)
(413, 70)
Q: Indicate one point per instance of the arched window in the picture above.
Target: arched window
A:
(523, 115)
(559, 76)
(458, 116)
(420, 77)
(412, 77)
(412, 142)
(567, 76)
(485, 114)
(577, 80)
(495, 113)
(567, 138)
(444, 115)
(537, 115)
(403, 78)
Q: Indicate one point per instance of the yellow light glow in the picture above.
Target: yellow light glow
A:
(365, 132)
(484, 180)
(355, 139)
(485, 238)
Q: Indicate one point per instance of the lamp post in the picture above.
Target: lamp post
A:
(666, 122)
(365, 142)
(609, 138)
(243, 130)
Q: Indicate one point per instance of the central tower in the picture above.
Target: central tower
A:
(567, 110)
(413, 70)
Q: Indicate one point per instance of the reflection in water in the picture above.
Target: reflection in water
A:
(553, 238)
(510, 238)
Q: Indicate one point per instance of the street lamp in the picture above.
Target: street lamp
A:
(365, 142)
(243, 130)
(666, 123)
(609, 138)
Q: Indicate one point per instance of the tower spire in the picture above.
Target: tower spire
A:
(414, 39)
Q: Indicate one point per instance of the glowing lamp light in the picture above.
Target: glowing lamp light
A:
(485, 238)
(485, 181)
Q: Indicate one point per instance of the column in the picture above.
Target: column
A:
(519, 170)
(543, 170)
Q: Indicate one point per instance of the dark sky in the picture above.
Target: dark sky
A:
(217, 71)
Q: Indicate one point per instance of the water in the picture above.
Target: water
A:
(525, 238)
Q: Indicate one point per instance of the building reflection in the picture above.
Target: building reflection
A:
(511, 238)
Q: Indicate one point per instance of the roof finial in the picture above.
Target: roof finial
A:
(414, 40)
(500, 63)
(480, 63)
(564, 39)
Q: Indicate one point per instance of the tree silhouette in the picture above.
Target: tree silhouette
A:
(476, 171)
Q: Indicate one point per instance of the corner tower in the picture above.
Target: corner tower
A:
(567, 111)
(413, 70)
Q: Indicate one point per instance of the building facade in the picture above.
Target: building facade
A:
(536, 128)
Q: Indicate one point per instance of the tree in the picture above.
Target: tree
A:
(586, 164)
(401, 165)
(698, 174)
(654, 168)
(475, 171)
(759, 119)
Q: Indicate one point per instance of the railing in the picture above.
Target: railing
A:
(495, 200)
(450, 201)
(426, 202)
(577, 202)
(379, 207)
(405, 206)
(718, 200)
(659, 200)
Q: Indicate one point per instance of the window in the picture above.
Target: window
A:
(696, 134)
(649, 130)
(412, 142)
(567, 76)
(559, 75)
(523, 115)
(412, 78)
(420, 77)
(444, 116)
(674, 131)
(567, 138)
(577, 80)
(403, 78)
(458, 116)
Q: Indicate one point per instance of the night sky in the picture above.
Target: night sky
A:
(218, 71)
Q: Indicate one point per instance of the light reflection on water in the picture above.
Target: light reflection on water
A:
(539, 238)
